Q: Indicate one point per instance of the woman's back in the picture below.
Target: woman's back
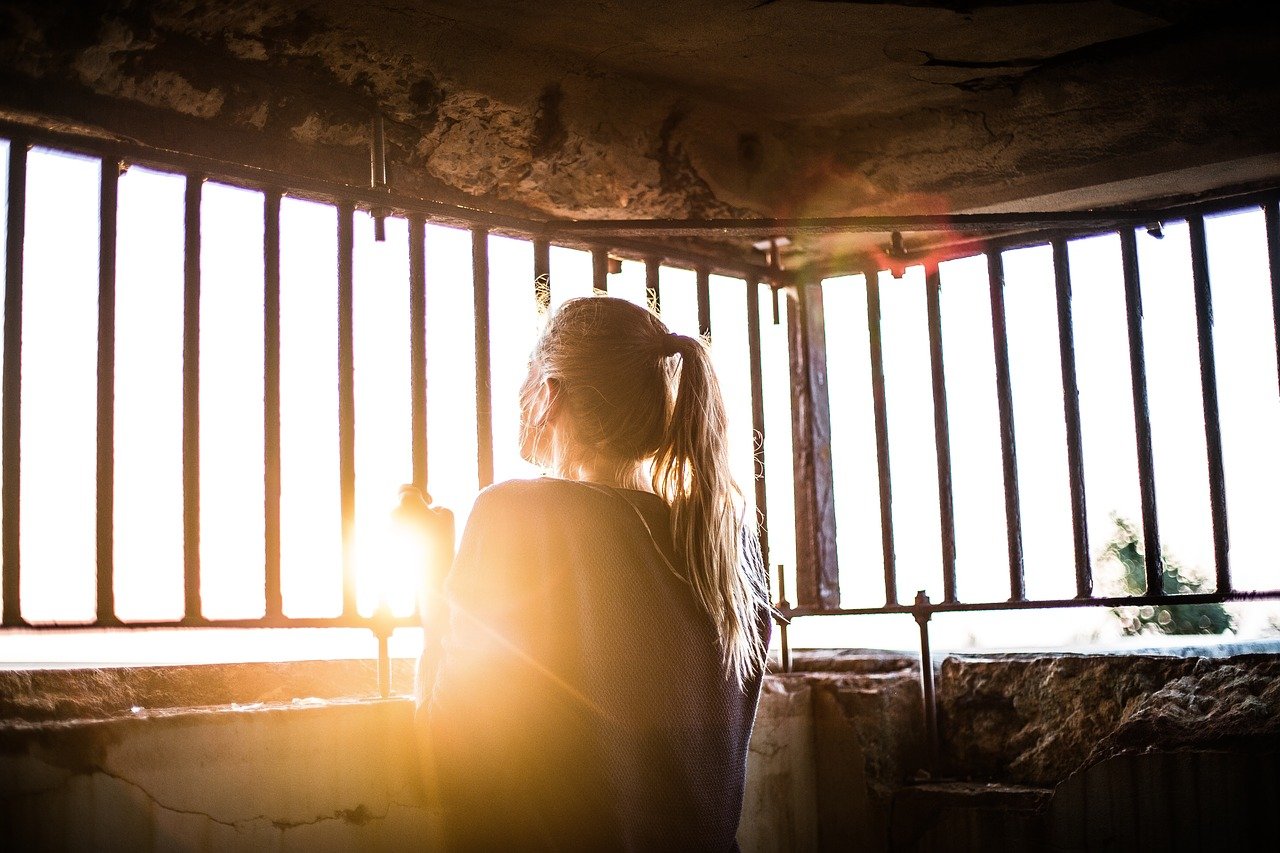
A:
(582, 700)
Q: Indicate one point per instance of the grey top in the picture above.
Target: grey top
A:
(581, 701)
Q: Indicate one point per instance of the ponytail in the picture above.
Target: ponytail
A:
(691, 471)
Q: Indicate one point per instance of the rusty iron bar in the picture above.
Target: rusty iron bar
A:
(542, 275)
(600, 270)
(1209, 395)
(704, 302)
(271, 401)
(1008, 448)
(1272, 216)
(653, 284)
(1071, 415)
(11, 449)
(1141, 413)
(108, 195)
(922, 610)
(881, 413)
(418, 349)
(756, 370)
(484, 391)
(784, 640)
(347, 402)
(191, 397)
(941, 432)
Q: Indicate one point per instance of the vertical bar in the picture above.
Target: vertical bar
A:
(191, 401)
(347, 402)
(941, 431)
(881, 412)
(271, 402)
(923, 611)
(1071, 412)
(817, 566)
(653, 283)
(1272, 213)
(418, 347)
(757, 415)
(10, 487)
(542, 274)
(484, 393)
(1209, 391)
(600, 270)
(784, 623)
(107, 198)
(1141, 415)
(1004, 397)
(704, 303)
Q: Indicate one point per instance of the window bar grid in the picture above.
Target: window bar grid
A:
(704, 302)
(11, 450)
(757, 415)
(1008, 448)
(418, 348)
(1272, 215)
(1209, 393)
(600, 271)
(1071, 414)
(347, 403)
(542, 275)
(484, 392)
(880, 407)
(941, 431)
(653, 284)
(1141, 414)
(191, 400)
(105, 532)
(271, 404)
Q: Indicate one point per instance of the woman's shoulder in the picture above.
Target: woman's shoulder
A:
(551, 496)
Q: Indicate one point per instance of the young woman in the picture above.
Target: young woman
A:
(594, 682)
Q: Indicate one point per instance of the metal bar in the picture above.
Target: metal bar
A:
(484, 392)
(653, 284)
(600, 270)
(817, 566)
(1004, 397)
(1141, 414)
(757, 416)
(784, 636)
(11, 450)
(542, 275)
(941, 432)
(1272, 214)
(107, 213)
(271, 401)
(704, 302)
(923, 611)
(881, 412)
(1071, 414)
(418, 348)
(191, 399)
(1209, 393)
(347, 402)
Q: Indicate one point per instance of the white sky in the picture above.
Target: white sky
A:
(59, 376)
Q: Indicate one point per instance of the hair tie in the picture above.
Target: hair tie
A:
(672, 344)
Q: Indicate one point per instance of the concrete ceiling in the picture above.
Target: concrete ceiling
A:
(680, 108)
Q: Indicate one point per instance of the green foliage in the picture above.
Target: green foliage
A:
(1125, 548)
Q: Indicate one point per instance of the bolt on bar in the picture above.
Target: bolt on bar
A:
(191, 401)
(10, 487)
(757, 415)
(1209, 393)
(1004, 398)
(1071, 415)
(941, 431)
(418, 348)
(271, 403)
(880, 408)
(107, 194)
(347, 402)
(484, 392)
(1141, 413)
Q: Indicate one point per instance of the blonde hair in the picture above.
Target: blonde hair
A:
(633, 393)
